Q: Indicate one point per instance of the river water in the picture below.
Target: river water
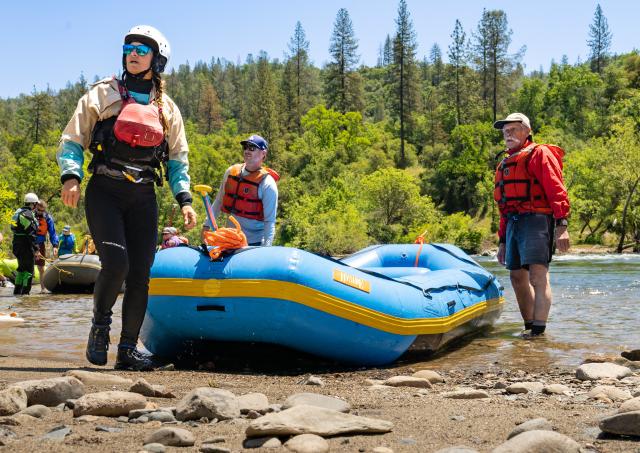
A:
(596, 309)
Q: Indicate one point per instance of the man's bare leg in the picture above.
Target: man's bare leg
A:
(539, 277)
(524, 293)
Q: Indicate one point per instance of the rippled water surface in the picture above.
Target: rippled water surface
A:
(596, 309)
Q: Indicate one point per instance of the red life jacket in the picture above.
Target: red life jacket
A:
(241, 192)
(515, 189)
(42, 226)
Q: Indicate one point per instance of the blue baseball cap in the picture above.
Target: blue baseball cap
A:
(256, 141)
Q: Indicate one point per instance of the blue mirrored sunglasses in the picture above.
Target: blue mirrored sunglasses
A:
(141, 49)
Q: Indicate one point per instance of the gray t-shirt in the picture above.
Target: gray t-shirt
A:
(257, 231)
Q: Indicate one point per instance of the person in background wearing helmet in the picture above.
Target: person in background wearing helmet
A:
(534, 206)
(249, 192)
(45, 226)
(25, 248)
(170, 238)
(67, 245)
(135, 132)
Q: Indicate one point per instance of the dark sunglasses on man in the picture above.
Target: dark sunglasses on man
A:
(141, 49)
(250, 148)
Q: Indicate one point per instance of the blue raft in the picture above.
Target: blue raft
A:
(368, 308)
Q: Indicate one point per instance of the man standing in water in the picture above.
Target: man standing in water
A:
(533, 207)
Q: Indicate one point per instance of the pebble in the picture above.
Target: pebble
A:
(37, 410)
(431, 376)
(173, 437)
(626, 424)
(466, 394)
(108, 429)
(314, 380)
(307, 443)
(408, 381)
(630, 405)
(539, 441)
(154, 448)
(596, 371)
(382, 450)
(58, 433)
(111, 403)
(311, 419)
(530, 425)
(262, 442)
(457, 449)
(52, 391)
(12, 400)
(315, 399)
(212, 448)
(94, 378)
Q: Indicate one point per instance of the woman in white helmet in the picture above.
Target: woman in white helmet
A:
(136, 133)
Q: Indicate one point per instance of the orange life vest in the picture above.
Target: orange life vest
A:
(42, 226)
(515, 189)
(241, 192)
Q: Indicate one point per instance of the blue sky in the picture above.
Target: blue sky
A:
(49, 43)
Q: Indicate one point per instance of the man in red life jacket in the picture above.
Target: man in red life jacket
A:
(249, 192)
(533, 207)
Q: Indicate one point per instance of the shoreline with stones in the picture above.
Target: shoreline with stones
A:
(66, 406)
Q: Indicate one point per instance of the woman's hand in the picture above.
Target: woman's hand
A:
(70, 192)
(190, 218)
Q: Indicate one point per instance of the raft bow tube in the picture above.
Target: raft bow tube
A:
(368, 308)
(74, 273)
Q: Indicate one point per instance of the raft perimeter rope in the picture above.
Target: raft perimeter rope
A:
(225, 239)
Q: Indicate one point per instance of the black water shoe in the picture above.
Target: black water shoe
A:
(98, 344)
(134, 360)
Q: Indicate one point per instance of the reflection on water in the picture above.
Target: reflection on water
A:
(595, 309)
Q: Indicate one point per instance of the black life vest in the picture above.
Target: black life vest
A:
(16, 226)
(131, 145)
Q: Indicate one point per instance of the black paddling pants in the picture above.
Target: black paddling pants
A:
(123, 220)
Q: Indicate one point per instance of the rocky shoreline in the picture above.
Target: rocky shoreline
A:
(59, 406)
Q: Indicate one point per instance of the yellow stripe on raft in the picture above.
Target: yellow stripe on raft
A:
(273, 289)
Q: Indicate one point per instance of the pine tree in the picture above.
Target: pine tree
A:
(209, 109)
(492, 44)
(435, 55)
(388, 51)
(404, 76)
(263, 115)
(342, 88)
(38, 115)
(296, 81)
(599, 41)
(481, 48)
(457, 60)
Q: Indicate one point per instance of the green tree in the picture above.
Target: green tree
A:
(343, 86)
(209, 110)
(297, 84)
(404, 76)
(394, 204)
(262, 106)
(435, 55)
(457, 60)
(599, 41)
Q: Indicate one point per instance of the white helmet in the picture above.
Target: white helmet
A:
(31, 198)
(151, 36)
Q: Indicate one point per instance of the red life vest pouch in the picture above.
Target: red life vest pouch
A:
(138, 124)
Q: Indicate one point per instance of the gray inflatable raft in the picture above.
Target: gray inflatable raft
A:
(72, 274)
